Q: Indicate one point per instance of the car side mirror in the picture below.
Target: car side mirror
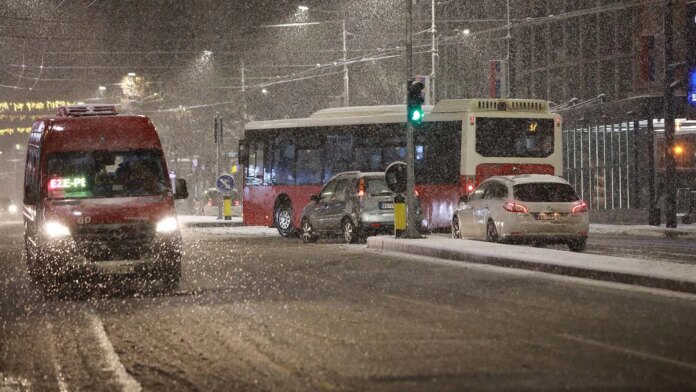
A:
(314, 198)
(180, 191)
(463, 198)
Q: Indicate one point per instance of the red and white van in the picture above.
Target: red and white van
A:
(98, 198)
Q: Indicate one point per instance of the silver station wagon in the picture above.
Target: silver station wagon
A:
(532, 208)
(352, 205)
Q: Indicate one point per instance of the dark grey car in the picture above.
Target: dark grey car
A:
(353, 205)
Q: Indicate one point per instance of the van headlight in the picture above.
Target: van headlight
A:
(12, 209)
(167, 225)
(56, 230)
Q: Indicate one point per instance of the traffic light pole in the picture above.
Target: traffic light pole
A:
(411, 228)
(218, 141)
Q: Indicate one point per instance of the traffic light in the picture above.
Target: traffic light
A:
(414, 102)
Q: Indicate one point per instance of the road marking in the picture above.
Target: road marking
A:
(114, 365)
(628, 351)
(62, 385)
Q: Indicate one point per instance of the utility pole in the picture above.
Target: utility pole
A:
(244, 103)
(508, 37)
(433, 54)
(670, 165)
(346, 80)
(411, 217)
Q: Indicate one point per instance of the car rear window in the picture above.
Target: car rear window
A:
(545, 192)
(377, 187)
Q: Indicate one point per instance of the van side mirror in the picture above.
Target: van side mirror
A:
(29, 195)
(180, 191)
(243, 157)
(314, 198)
(463, 198)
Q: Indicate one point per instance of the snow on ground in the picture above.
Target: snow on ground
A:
(686, 231)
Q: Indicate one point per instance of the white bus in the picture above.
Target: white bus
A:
(460, 143)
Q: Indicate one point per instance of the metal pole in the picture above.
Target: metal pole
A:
(218, 136)
(411, 228)
(507, 57)
(244, 103)
(346, 80)
(670, 165)
(433, 55)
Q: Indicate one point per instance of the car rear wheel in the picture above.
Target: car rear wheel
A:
(307, 234)
(283, 219)
(456, 231)
(350, 234)
(491, 232)
(577, 245)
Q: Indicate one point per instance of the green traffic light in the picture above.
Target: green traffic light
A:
(416, 115)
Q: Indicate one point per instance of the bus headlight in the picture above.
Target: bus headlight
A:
(167, 225)
(56, 230)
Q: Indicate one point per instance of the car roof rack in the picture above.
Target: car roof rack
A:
(87, 110)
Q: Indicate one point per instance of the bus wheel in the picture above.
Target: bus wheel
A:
(456, 231)
(491, 232)
(283, 218)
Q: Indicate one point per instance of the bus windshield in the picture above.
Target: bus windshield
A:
(106, 174)
(514, 137)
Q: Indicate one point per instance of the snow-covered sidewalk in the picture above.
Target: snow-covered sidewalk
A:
(649, 273)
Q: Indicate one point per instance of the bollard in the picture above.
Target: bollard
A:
(399, 214)
(227, 207)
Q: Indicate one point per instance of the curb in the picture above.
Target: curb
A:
(213, 224)
(666, 282)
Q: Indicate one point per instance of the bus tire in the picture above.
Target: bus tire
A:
(283, 219)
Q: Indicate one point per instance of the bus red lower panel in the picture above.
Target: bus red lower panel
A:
(260, 200)
(438, 203)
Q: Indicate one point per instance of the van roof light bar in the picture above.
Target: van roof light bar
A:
(87, 110)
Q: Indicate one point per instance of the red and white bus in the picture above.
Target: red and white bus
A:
(460, 143)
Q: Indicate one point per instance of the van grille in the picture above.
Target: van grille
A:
(120, 241)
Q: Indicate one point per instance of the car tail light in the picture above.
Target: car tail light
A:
(361, 187)
(579, 207)
(511, 206)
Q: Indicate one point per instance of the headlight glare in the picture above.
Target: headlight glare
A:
(55, 230)
(167, 225)
(12, 209)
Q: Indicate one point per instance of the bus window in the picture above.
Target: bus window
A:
(438, 151)
(338, 154)
(255, 169)
(514, 137)
(310, 154)
(283, 172)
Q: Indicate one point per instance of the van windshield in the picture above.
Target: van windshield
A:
(106, 174)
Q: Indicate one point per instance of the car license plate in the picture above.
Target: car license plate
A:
(549, 216)
(384, 205)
